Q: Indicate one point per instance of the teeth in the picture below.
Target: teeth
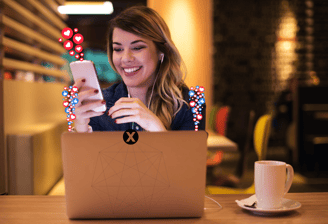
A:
(128, 70)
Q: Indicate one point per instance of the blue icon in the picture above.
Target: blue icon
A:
(75, 101)
(191, 93)
(201, 101)
(64, 93)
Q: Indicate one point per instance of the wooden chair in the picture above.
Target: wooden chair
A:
(261, 137)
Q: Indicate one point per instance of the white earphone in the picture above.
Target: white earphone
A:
(162, 58)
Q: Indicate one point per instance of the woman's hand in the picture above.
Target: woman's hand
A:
(135, 111)
(83, 110)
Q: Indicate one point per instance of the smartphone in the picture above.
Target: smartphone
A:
(87, 70)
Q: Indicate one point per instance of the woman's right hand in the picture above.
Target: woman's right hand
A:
(84, 110)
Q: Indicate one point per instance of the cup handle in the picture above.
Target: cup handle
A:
(290, 176)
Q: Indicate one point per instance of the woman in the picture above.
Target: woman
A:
(153, 95)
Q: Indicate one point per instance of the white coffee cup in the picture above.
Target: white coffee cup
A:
(271, 184)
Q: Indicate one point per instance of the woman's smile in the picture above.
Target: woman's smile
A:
(130, 71)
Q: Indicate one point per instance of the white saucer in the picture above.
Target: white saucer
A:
(287, 205)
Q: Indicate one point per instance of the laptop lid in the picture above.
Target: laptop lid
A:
(134, 175)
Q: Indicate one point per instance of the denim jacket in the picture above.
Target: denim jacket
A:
(182, 121)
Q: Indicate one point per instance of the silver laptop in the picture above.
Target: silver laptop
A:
(134, 174)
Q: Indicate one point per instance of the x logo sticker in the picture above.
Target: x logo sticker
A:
(130, 137)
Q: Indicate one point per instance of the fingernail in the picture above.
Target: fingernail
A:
(83, 80)
(103, 102)
(96, 91)
(115, 121)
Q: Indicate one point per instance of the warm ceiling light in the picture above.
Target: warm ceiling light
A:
(86, 8)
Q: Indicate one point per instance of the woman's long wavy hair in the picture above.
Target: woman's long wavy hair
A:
(145, 22)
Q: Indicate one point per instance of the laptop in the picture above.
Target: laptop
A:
(134, 174)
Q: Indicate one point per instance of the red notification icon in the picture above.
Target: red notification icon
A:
(74, 88)
(67, 33)
(78, 48)
(71, 53)
(78, 38)
(68, 45)
(77, 56)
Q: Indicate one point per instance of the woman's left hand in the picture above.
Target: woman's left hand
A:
(135, 111)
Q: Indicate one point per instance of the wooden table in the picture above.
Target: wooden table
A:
(52, 210)
(217, 142)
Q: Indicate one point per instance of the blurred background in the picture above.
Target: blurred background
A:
(263, 57)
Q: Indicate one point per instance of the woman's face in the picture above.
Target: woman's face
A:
(135, 58)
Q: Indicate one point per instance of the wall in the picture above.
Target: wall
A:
(190, 23)
(31, 105)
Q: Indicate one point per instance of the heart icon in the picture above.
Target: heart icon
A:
(71, 53)
(78, 38)
(75, 88)
(201, 89)
(67, 33)
(192, 103)
(68, 45)
(77, 56)
(65, 103)
(78, 48)
(199, 117)
(73, 116)
(81, 59)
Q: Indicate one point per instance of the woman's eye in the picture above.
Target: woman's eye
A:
(117, 49)
(138, 48)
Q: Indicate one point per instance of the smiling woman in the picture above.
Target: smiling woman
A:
(141, 51)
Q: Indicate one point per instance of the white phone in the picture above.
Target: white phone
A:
(87, 70)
